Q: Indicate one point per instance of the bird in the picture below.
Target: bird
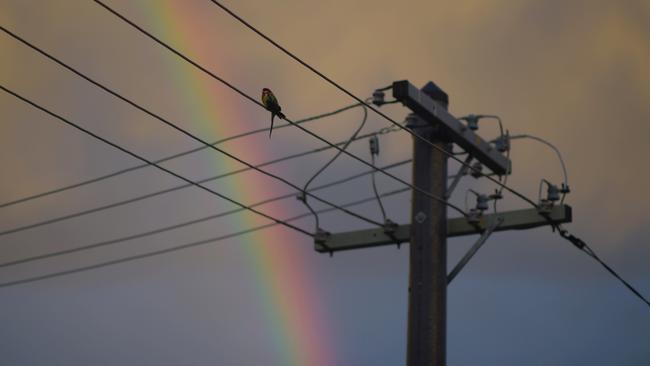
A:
(271, 104)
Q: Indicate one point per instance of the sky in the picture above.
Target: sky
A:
(571, 72)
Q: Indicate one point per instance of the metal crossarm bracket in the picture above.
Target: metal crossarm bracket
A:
(470, 253)
(429, 109)
(461, 173)
(512, 220)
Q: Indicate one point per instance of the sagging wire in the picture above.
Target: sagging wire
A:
(378, 97)
(182, 246)
(565, 186)
(316, 136)
(302, 196)
(374, 152)
(389, 225)
(194, 221)
(472, 121)
(140, 166)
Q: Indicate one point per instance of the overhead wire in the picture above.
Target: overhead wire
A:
(255, 101)
(338, 86)
(192, 136)
(557, 152)
(498, 182)
(504, 186)
(167, 158)
(374, 150)
(165, 191)
(183, 246)
(582, 245)
(118, 147)
(303, 196)
(187, 223)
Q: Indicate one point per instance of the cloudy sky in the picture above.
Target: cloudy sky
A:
(572, 72)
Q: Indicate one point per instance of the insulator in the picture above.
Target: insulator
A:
(477, 170)
(553, 193)
(374, 145)
(472, 121)
(565, 188)
(474, 216)
(482, 202)
(502, 143)
(378, 97)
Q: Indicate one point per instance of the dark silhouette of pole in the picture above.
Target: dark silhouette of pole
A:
(427, 314)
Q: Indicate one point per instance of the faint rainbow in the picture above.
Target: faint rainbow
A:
(286, 287)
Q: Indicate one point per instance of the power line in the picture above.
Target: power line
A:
(565, 188)
(239, 91)
(184, 246)
(338, 86)
(344, 90)
(187, 223)
(333, 83)
(151, 162)
(168, 158)
(302, 197)
(165, 191)
(207, 144)
(580, 244)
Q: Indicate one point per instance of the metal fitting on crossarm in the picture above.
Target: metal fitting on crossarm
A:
(475, 213)
(374, 145)
(552, 195)
(497, 195)
(472, 121)
(302, 196)
(502, 143)
(477, 170)
(390, 228)
(320, 238)
(378, 97)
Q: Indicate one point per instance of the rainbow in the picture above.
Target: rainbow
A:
(294, 317)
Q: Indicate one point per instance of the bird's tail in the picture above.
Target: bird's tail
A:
(281, 115)
(271, 130)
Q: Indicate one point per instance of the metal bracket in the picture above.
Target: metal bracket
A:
(461, 173)
(320, 240)
(513, 220)
(390, 228)
(470, 253)
(435, 113)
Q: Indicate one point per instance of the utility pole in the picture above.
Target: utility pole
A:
(430, 228)
(427, 305)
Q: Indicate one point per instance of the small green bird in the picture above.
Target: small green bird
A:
(271, 104)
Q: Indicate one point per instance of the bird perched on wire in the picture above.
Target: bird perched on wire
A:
(271, 104)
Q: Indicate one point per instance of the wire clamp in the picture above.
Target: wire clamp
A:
(378, 97)
(390, 228)
(320, 238)
(302, 196)
(477, 170)
(374, 145)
